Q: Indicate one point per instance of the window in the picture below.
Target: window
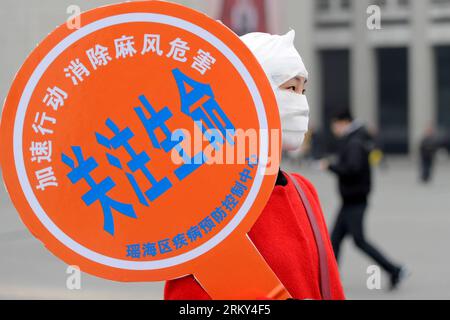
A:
(403, 3)
(346, 4)
(323, 5)
(380, 3)
(441, 2)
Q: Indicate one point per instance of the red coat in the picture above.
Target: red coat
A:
(284, 237)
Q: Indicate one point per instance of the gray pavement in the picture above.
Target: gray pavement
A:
(408, 221)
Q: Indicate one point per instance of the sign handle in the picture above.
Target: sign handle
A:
(237, 271)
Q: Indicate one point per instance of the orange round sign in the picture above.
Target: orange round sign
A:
(121, 141)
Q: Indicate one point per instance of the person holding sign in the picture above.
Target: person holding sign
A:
(86, 127)
(290, 233)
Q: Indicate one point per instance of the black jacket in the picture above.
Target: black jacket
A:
(352, 166)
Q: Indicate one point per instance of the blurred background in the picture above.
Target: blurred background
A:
(393, 75)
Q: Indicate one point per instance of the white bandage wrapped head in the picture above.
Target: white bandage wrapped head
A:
(281, 62)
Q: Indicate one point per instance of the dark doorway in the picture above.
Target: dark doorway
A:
(442, 65)
(393, 102)
(335, 75)
(442, 54)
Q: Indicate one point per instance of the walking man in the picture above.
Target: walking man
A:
(354, 174)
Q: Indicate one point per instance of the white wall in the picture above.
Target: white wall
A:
(25, 23)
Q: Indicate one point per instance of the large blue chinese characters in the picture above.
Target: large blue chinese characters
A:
(207, 115)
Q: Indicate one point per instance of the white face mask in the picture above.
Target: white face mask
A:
(294, 114)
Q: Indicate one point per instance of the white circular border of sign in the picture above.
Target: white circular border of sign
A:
(18, 150)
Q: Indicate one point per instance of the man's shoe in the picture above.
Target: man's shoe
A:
(398, 277)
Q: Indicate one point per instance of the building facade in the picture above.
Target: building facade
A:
(397, 78)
